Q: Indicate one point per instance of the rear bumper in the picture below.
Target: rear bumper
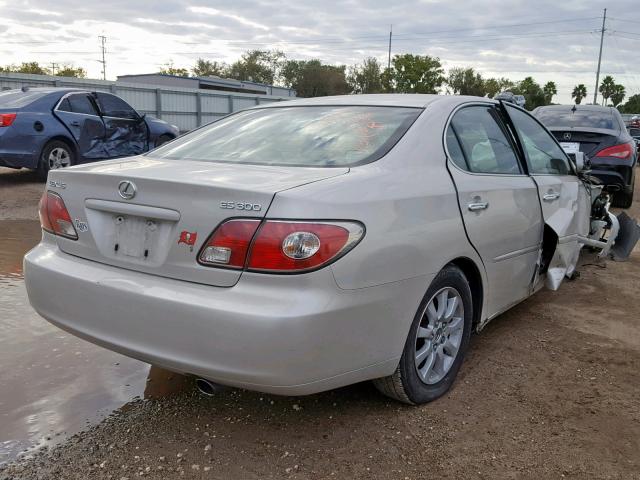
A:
(609, 174)
(290, 335)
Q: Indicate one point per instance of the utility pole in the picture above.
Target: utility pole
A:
(390, 34)
(103, 39)
(54, 65)
(595, 90)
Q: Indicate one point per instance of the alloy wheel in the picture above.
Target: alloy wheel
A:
(59, 158)
(439, 335)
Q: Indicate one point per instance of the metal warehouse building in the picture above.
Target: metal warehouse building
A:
(208, 83)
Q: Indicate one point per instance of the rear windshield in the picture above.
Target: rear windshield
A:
(18, 98)
(552, 117)
(323, 136)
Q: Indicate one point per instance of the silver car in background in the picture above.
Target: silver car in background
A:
(307, 245)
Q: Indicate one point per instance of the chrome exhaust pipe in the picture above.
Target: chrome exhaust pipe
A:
(208, 388)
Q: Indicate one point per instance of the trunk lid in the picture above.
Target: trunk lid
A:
(176, 206)
(590, 140)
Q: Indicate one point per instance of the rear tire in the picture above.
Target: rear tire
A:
(623, 198)
(55, 154)
(437, 342)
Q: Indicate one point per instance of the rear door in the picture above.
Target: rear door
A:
(126, 131)
(498, 201)
(565, 204)
(79, 114)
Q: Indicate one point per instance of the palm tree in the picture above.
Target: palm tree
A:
(579, 92)
(549, 91)
(618, 95)
(607, 88)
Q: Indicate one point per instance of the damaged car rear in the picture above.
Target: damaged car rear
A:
(313, 244)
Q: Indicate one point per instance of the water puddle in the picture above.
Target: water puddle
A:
(52, 384)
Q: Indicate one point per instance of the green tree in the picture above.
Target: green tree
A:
(413, 74)
(618, 95)
(532, 92)
(71, 71)
(632, 105)
(207, 68)
(607, 88)
(29, 67)
(579, 92)
(365, 77)
(550, 89)
(170, 69)
(466, 81)
(261, 66)
(494, 86)
(311, 78)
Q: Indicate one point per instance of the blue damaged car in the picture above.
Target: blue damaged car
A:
(49, 128)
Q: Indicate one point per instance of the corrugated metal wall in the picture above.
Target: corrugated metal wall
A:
(187, 108)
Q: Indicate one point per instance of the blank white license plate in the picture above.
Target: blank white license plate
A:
(135, 236)
(570, 147)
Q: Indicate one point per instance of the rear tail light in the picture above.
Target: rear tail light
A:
(624, 150)
(54, 216)
(279, 246)
(6, 119)
(229, 244)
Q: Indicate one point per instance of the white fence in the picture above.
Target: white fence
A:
(187, 108)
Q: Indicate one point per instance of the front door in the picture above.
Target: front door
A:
(498, 201)
(126, 131)
(565, 202)
(79, 114)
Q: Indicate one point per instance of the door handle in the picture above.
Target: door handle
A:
(75, 123)
(551, 196)
(475, 206)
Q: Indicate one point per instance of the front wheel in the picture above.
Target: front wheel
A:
(437, 342)
(55, 154)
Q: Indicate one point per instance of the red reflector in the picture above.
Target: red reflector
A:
(43, 214)
(54, 216)
(282, 246)
(6, 119)
(624, 150)
(229, 243)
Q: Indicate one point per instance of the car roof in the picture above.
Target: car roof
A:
(415, 100)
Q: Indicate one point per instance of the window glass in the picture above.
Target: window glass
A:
(307, 136)
(64, 106)
(544, 155)
(18, 98)
(565, 117)
(112, 106)
(634, 132)
(486, 146)
(455, 153)
(81, 103)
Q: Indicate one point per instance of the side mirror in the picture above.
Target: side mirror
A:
(582, 163)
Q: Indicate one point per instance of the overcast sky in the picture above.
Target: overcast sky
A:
(549, 40)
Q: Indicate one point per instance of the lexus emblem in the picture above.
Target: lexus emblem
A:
(567, 136)
(127, 189)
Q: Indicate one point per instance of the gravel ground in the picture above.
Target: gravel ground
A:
(548, 390)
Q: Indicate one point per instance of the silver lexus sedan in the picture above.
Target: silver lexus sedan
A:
(301, 246)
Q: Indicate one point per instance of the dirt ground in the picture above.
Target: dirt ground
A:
(550, 389)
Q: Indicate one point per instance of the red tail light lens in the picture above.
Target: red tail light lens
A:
(279, 246)
(296, 246)
(6, 119)
(624, 150)
(229, 244)
(54, 216)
